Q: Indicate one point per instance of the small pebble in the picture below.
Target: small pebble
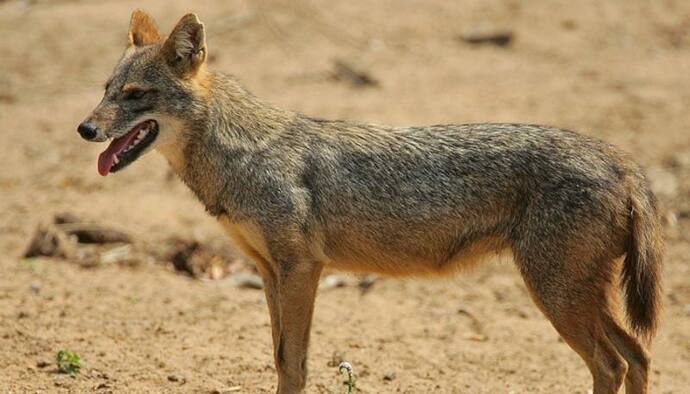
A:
(389, 377)
(247, 280)
(332, 281)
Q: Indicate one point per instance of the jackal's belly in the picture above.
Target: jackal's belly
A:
(407, 251)
(411, 257)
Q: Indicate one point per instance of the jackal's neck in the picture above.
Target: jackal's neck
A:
(223, 113)
(227, 122)
(238, 117)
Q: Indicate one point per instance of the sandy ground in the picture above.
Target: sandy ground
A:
(614, 69)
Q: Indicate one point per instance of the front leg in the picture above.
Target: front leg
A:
(290, 292)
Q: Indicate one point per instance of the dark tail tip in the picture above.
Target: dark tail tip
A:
(641, 273)
(641, 299)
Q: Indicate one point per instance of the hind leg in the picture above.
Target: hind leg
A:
(574, 304)
(633, 352)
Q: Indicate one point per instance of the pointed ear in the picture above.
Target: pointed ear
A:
(185, 48)
(142, 30)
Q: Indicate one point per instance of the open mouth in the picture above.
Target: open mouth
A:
(124, 150)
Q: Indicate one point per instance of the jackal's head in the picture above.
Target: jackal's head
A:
(152, 94)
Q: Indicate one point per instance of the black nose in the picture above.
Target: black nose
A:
(87, 131)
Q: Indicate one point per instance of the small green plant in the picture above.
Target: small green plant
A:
(30, 263)
(68, 362)
(350, 376)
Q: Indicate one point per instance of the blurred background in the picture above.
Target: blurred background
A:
(130, 273)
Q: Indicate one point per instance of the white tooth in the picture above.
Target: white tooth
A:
(115, 159)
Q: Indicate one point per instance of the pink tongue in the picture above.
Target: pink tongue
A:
(106, 158)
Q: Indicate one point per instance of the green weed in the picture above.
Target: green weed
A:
(350, 376)
(68, 362)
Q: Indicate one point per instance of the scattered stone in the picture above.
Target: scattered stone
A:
(116, 255)
(199, 260)
(60, 238)
(336, 359)
(332, 281)
(88, 232)
(477, 327)
(476, 337)
(247, 280)
(216, 271)
(232, 389)
(49, 241)
(65, 218)
(173, 378)
(389, 377)
(345, 72)
(497, 37)
(366, 283)
(89, 245)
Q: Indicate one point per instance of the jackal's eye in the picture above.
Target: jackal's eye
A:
(134, 94)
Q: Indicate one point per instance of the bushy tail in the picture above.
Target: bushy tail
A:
(643, 261)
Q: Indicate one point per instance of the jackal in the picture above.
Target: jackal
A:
(297, 194)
